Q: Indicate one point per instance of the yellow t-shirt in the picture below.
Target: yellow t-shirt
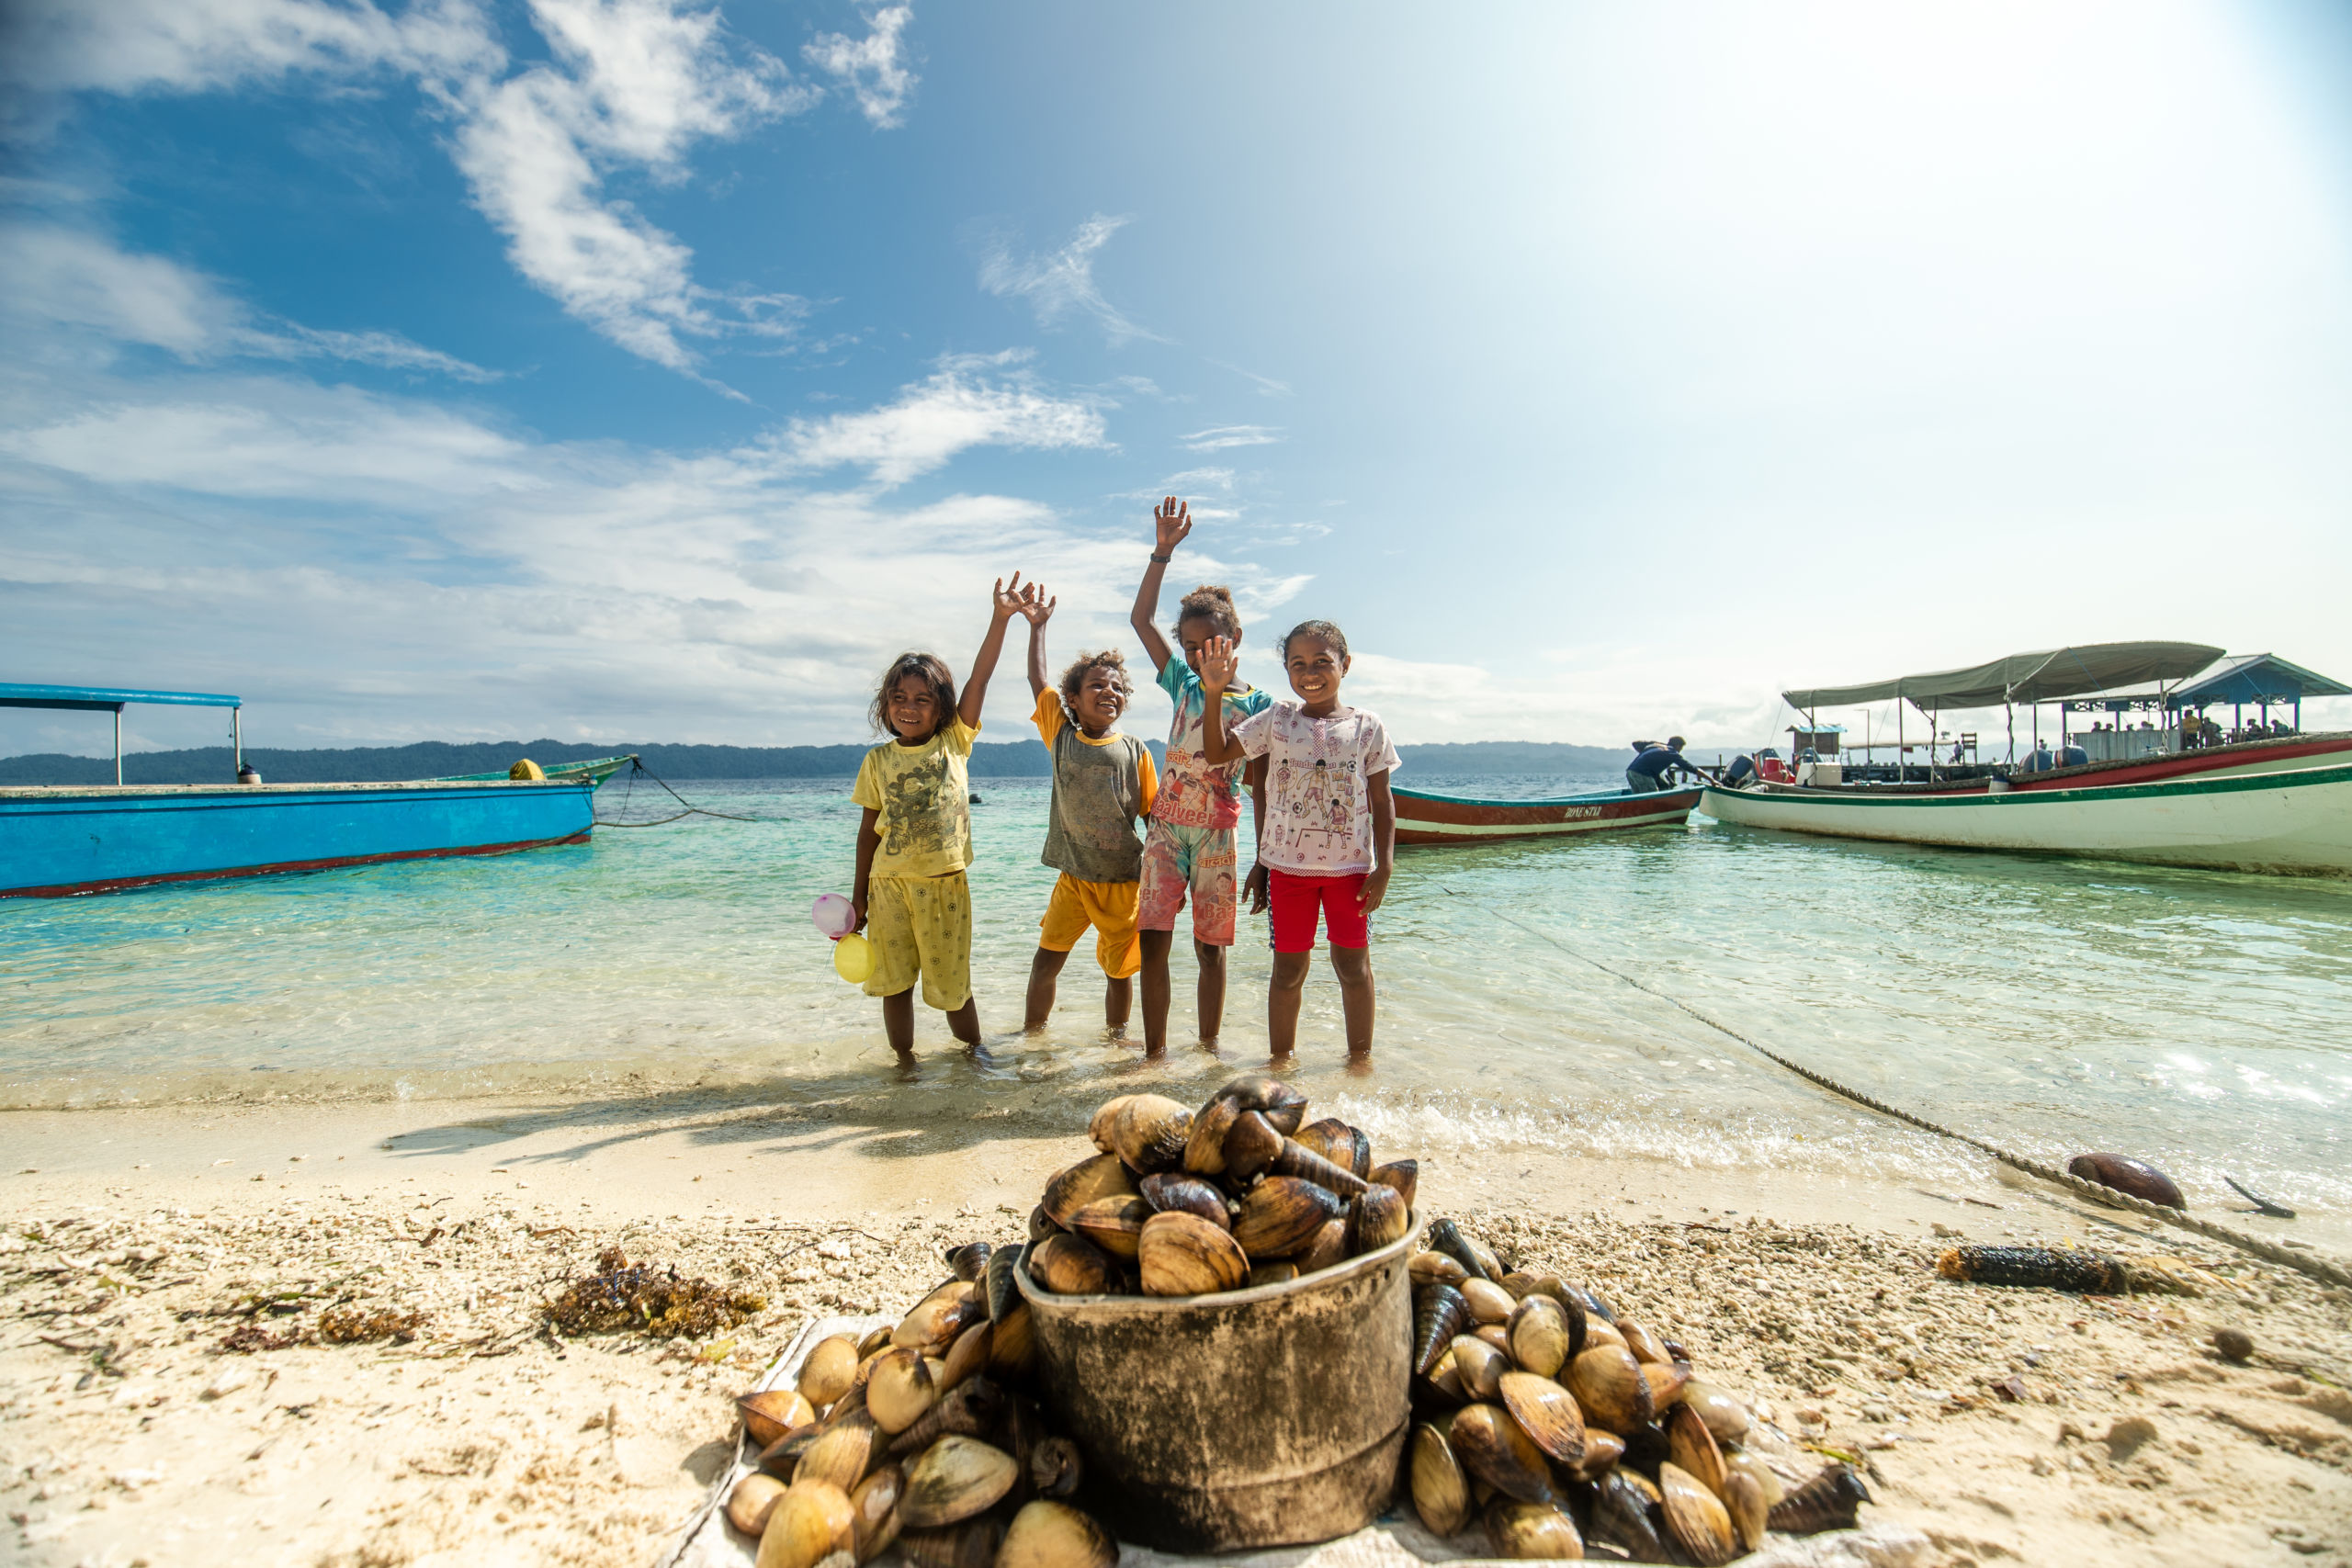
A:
(923, 794)
(1052, 718)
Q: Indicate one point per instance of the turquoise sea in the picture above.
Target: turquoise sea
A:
(2200, 1019)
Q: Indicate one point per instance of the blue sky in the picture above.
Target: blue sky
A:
(641, 369)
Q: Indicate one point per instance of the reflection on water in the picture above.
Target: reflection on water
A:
(2199, 1019)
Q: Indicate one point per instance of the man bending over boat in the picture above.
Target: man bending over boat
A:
(1654, 765)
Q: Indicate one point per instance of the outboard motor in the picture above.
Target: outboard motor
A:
(1742, 772)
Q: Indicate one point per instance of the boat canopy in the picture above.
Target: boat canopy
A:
(106, 699)
(2045, 676)
(2256, 678)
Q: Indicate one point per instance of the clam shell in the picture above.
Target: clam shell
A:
(1744, 1501)
(1540, 1338)
(1479, 1367)
(1251, 1146)
(1601, 1449)
(2124, 1173)
(1489, 1302)
(938, 1318)
(970, 1260)
(1600, 1331)
(1205, 1145)
(841, 1454)
(1492, 1447)
(1741, 1463)
(1404, 1175)
(1174, 1190)
(1114, 1225)
(1069, 1265)
(1180, 1254)
(1696, 1519)
(1666, 1381)
(1547, 1412)
(879, 1336)
(1437, 1268)
(1691, 1447)
(748, 1506)
(810, 1522)
(1725, 1416)
(967, 1357)
(1279, 1273)
(1531, 1530)
(1012, 1344)
(1054, 1468)
(1439, 1313)
(1642, 1343)
(954, 1479)
(1378, 1216)
(826, 1370)
(1150, 1133)
(770, 1415)
(1608, 1385)
(901, 1391)
(1277, 1100)
(1331, 1138)
(1046, 1534)
(1041, 1223)
(1072, 1189)
(1102, 1127)
(876, 1505)
(781, 1458)
(969, 1409)
(1440, 1490)
(1622, 1502)
(972, 1544)
(1494, 1333)
(1329, 1249)
(1281, 1215)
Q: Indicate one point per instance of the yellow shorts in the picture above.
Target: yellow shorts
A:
(1109, 908)
(921, 925)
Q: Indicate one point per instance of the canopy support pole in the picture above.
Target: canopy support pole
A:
(1902, 758)
(237, 736)
(118, 744)
(2011, 709)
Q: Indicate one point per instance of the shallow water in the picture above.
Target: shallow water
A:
(2200, 1019)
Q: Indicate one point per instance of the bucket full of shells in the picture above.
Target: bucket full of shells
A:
(1222, 1318)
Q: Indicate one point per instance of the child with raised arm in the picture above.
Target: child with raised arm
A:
(916, 837)
(1102, 781)
(1329, 836)
(1188, 844)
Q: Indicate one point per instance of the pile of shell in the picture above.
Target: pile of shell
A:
(1238, 1193)
(921, 1435)
(1547, 1418)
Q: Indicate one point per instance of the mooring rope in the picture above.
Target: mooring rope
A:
(637, 766)
(2317, 1267)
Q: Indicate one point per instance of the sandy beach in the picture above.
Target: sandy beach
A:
(2005, 1424)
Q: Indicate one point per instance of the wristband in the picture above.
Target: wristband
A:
(1163, 560)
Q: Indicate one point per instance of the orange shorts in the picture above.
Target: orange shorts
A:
(1109, 908)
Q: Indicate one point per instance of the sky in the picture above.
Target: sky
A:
(653, 370)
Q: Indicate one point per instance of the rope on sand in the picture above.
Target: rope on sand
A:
(2317, 1267)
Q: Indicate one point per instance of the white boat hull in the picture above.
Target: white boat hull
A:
(2298, 822)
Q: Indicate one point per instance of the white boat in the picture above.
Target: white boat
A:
(2298, 822)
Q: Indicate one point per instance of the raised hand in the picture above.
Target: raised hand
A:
(1169, 523)
(1219, 660)
(1007, 597)
(1035, 608)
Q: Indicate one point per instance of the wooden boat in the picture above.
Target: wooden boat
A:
(94, 839)
(2298, 820)
(1425, 817)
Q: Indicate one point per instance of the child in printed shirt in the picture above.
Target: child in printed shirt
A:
(1188, 844)
(1329, 836)
(916, 837)
(1102, 781)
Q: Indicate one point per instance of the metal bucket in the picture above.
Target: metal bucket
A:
(1269, 1416)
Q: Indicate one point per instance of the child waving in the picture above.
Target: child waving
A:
(1330, 826)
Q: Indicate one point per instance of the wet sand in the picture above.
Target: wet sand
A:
(138, 1239)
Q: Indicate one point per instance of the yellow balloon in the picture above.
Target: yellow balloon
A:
(853, 958)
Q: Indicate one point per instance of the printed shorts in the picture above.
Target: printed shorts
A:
(1199, 861)
(1109, 908)
(921, 926)
(1297, 899)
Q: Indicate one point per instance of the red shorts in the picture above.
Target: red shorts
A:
(1296, 901)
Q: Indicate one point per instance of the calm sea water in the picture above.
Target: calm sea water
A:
(2200, 1019)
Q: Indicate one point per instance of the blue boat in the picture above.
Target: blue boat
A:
(58, 841)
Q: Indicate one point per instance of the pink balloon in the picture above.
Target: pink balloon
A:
(834, 915)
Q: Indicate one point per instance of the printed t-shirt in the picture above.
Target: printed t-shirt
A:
(1100, 788)
(1194, 793)
(923, 794)
(1318, 812)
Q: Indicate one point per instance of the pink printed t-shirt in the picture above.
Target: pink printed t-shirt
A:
(1318, 772)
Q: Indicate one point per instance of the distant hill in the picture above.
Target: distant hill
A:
(437, 759)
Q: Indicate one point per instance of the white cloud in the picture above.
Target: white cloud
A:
(1062, 282)
(870, 67)
(124, 46)
(1217, 437)
(961, 406)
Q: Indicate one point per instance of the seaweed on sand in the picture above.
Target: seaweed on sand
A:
(624, 1297)
(354, 1326)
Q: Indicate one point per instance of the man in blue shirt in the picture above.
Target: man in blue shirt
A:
(1654, 765)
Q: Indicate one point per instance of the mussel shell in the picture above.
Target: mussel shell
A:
(901, 1390)
(1489, 1302)
(1377, 1216)
(1205, 1145)
(1446, 1236)
(748, 1503)
(1696, 1517)
(1621, 1515)
(811, 1521)
(1547, 1412)
(1492, 1447)
(1012, 1343)
(1054, 1467)
(1102, 1128)
(1744, 1501)
(1439, 1313)
(1609, 1387)
(1331, 1138)
(1281, 1215)
(1439, 1268)
(997, 1291)
(1180, 1254)
(2136, 1178)
(1328, 1250)
(1440, 1490)
(1542, 1339)
(1114, 1225)
(1725, 1416)
(954, 1479)
(1104, 1175)
(769, 1415)
(1048, 1534)
(1251, 1146)
(1531, 1530)
(1172, 1189)
(1827, 1501)
(1296, 1159)
(1692, 1448)
(1070, 1266)
(876, 1505)
(1277, 1100)
(972, 1544)
(1404, 1175)
(1480, 1367)
(970, 1260)
(828, 1369)
(1281, 1273)
(1150, 1133)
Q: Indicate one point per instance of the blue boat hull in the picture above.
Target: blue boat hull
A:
(57, 843)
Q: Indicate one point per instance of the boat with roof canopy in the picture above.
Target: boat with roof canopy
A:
(2183, 792)
(61, 841)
